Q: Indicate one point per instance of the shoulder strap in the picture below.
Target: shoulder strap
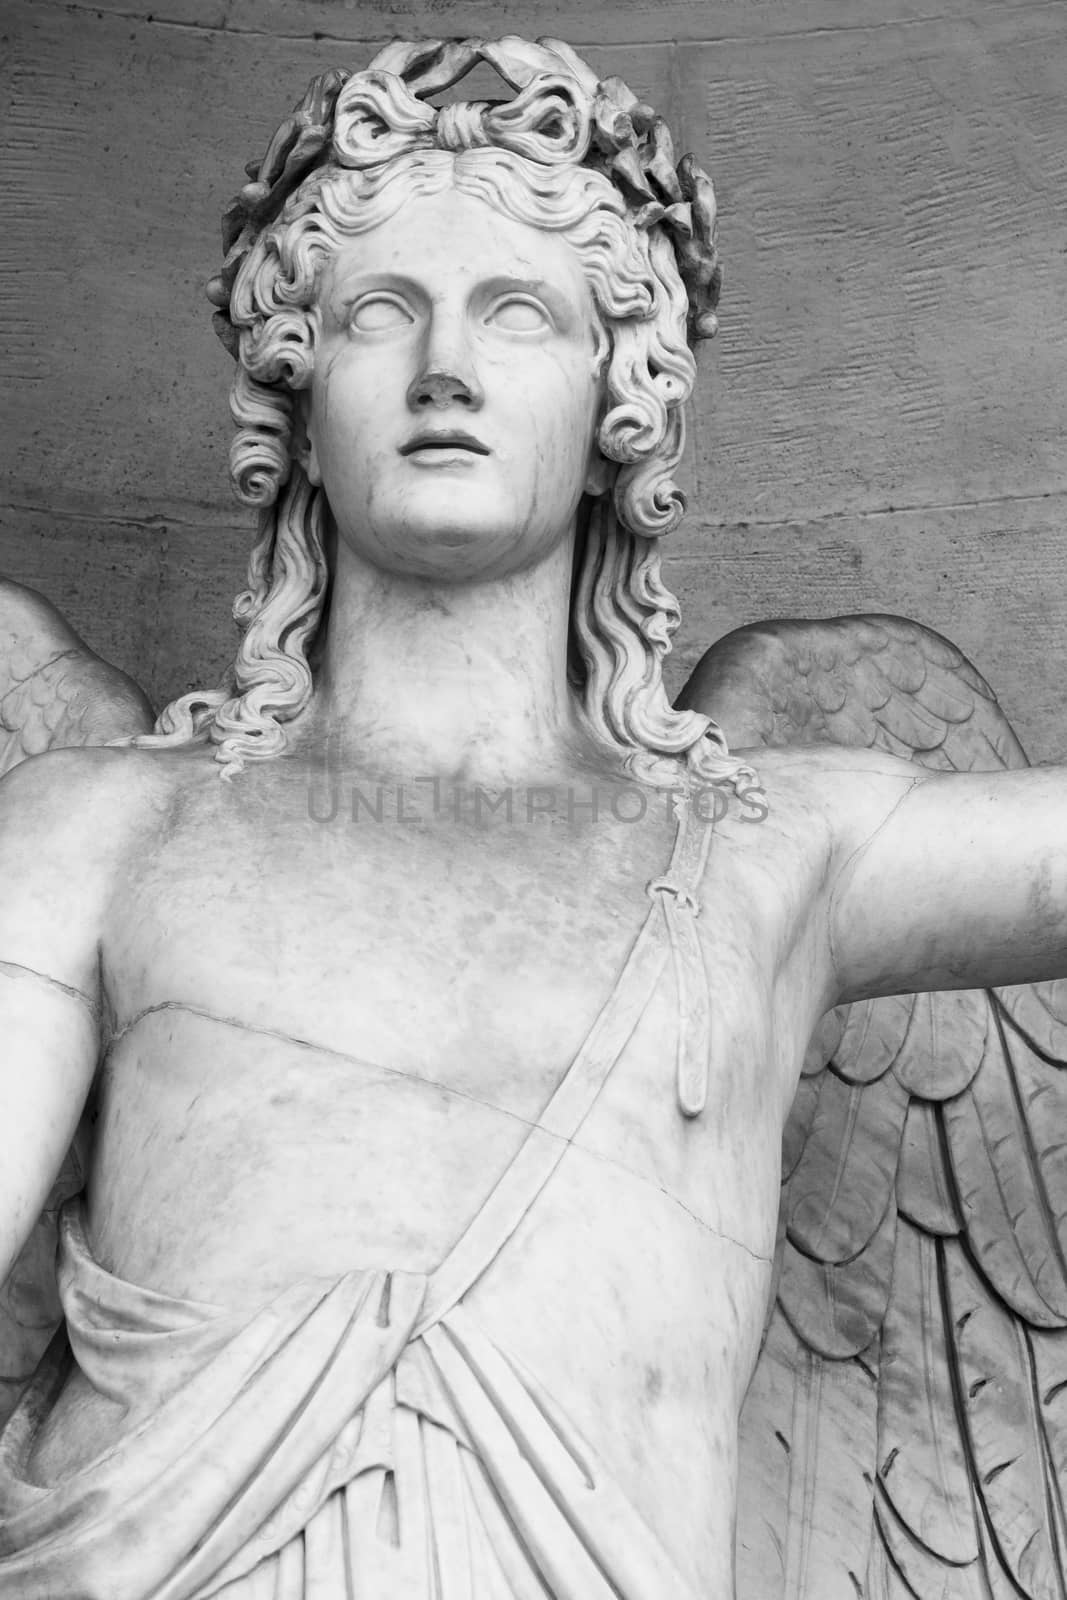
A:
(674, 906)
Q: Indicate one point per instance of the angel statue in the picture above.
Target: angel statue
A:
(441, 1078)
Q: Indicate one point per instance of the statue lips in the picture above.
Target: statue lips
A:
(443, 447)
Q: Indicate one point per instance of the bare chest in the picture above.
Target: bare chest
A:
(373, 1022)
(489, 951)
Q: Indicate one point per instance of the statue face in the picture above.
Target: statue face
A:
(455, 394)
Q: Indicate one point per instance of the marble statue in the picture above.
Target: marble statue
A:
(447, 1077)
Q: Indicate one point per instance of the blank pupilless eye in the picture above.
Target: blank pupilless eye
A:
(379, 312)
(518, 316)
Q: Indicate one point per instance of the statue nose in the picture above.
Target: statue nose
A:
(442, 388)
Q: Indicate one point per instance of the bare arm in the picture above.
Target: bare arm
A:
(53, 872)
(949, 881)
(46, 1068)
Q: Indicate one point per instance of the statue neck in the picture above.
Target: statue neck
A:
(457, 680)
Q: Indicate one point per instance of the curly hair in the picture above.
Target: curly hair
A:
(569, 155)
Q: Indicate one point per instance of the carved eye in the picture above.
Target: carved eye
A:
(376, 313)
(518, 315)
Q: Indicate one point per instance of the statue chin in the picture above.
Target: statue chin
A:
(461, 551)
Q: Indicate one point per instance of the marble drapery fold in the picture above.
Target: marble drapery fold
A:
(322, 1447)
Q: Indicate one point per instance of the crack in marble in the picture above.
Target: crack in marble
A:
(16, 969)
(463, 1094)
(651, 1183)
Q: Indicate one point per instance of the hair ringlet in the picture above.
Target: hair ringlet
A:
(568, 154)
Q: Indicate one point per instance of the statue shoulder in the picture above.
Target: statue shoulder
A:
(86, 807)
(835, 792)
(72, 823)
(786, 842)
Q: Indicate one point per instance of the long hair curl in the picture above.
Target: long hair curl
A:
(539, 159)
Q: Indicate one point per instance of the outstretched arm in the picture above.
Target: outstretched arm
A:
(948, 881)
(52, 873)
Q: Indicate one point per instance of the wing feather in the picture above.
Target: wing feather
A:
(925, 1194)
(839, 1311)
(946, 1042)
(972, 1419)
(904, 662)
(1001, 1586)
(830, 686)
(842, 1185)
(997, 1385)
(916, 729)
(924, 1576)
(1041, 1096)
(807, 1447)
(854, 724)
(871, 688)
(1048, 1353)
(923, 1467)
(824, 1041)
(883, 1580)
(1039, 1012)
(873, 1037)
(996, 1169)
(946, 701)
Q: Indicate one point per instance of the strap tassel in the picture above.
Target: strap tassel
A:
(692, 1050)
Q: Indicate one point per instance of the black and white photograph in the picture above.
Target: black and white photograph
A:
(533, 800)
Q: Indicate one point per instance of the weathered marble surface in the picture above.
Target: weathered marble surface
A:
(881, 426)
(515, 1305)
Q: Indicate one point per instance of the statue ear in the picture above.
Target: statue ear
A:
(599, 472)
(302, 443)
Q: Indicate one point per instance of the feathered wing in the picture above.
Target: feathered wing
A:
(54, 692)
(905, 1434)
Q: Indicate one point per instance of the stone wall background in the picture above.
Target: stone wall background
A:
(880, 424)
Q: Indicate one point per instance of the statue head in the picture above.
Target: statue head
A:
(593, 170)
